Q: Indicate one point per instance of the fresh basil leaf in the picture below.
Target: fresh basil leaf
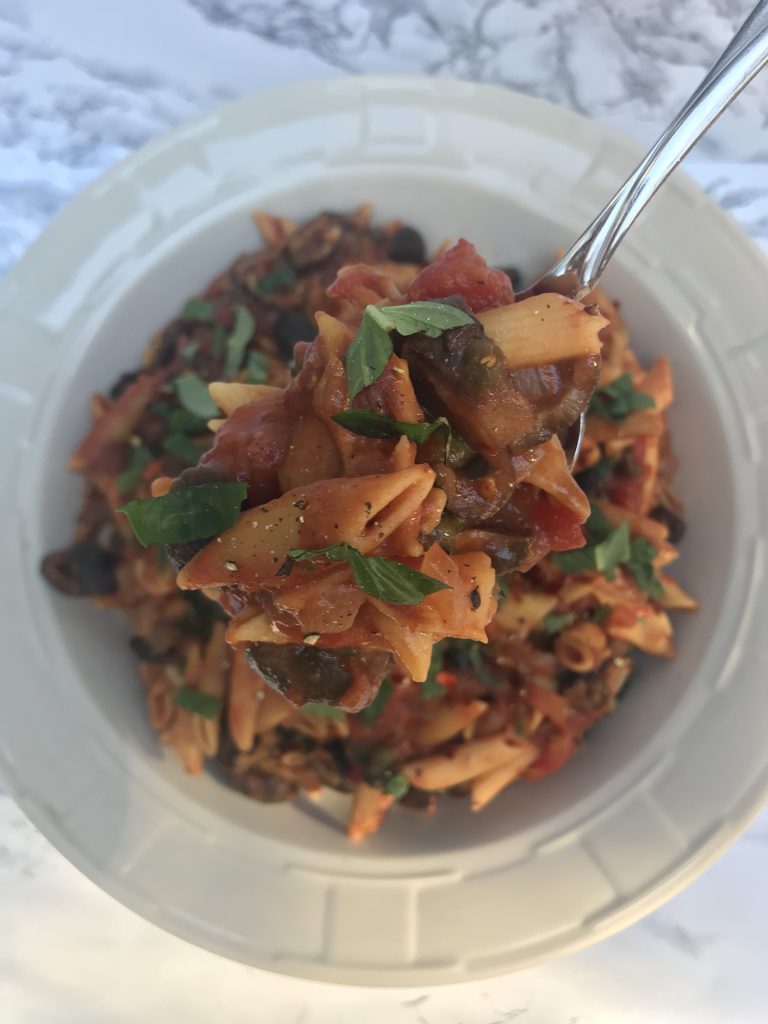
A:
(257, 368)
(323, 711)
(198, 703)
(199, 309)
(597, 525)
(280, 278)
(129, 478)
(580, 560)
(371, 424)
(183, 448)
(613, 550)
(600, 614)
(391, 581)
(238, 340)
(371, 348)
(430, 318)
(609, 547)
(601, 555)
(556, 622)
(182, 422)
(192, 513)
(369, 714)
(618, 399)
(396, 785)
(367, 356)
(380, 577)
(192, 392)
(640, 565)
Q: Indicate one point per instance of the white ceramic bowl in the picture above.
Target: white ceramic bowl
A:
(660, 788)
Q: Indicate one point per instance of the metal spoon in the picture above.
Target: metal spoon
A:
(577, 272)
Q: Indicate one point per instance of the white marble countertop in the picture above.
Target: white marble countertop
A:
(84, 82)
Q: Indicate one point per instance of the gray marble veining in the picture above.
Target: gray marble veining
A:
(83, 83)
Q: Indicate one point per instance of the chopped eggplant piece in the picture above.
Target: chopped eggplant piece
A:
(82, 570)
(345, 677)
(407, 246)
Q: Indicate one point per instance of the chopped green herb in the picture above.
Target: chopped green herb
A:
(600, 614)
(257, 368)
(323, 711)
(430, 318)
(554, 622)
(613, 550)
(192, 392)
(369, 715)
(371, 424)
(182, 422)
(183, 448)
(640, 565)
(129, 478)
(380, 577)
(608, 547)
(371, 348)
(241, 334)
(396, 785)
(199, 309)
(193, 513)
(367, 356)
(502, 590)
(198, 703)
(618, 399)
(279, 279)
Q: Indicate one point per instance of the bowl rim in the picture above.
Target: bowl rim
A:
(387, 88)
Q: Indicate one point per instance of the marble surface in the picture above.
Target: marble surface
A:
(82, 83)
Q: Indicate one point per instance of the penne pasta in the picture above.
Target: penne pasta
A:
(487, 786)
(231, 395)
(369, 806)
(441, 771)
(543, 329)
(449, 720)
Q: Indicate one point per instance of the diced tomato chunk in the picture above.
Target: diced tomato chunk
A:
(463, 271)
(561, 528)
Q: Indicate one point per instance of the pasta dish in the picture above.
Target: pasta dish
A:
(336, 504)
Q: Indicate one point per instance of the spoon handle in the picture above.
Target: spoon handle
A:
(580, 268)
